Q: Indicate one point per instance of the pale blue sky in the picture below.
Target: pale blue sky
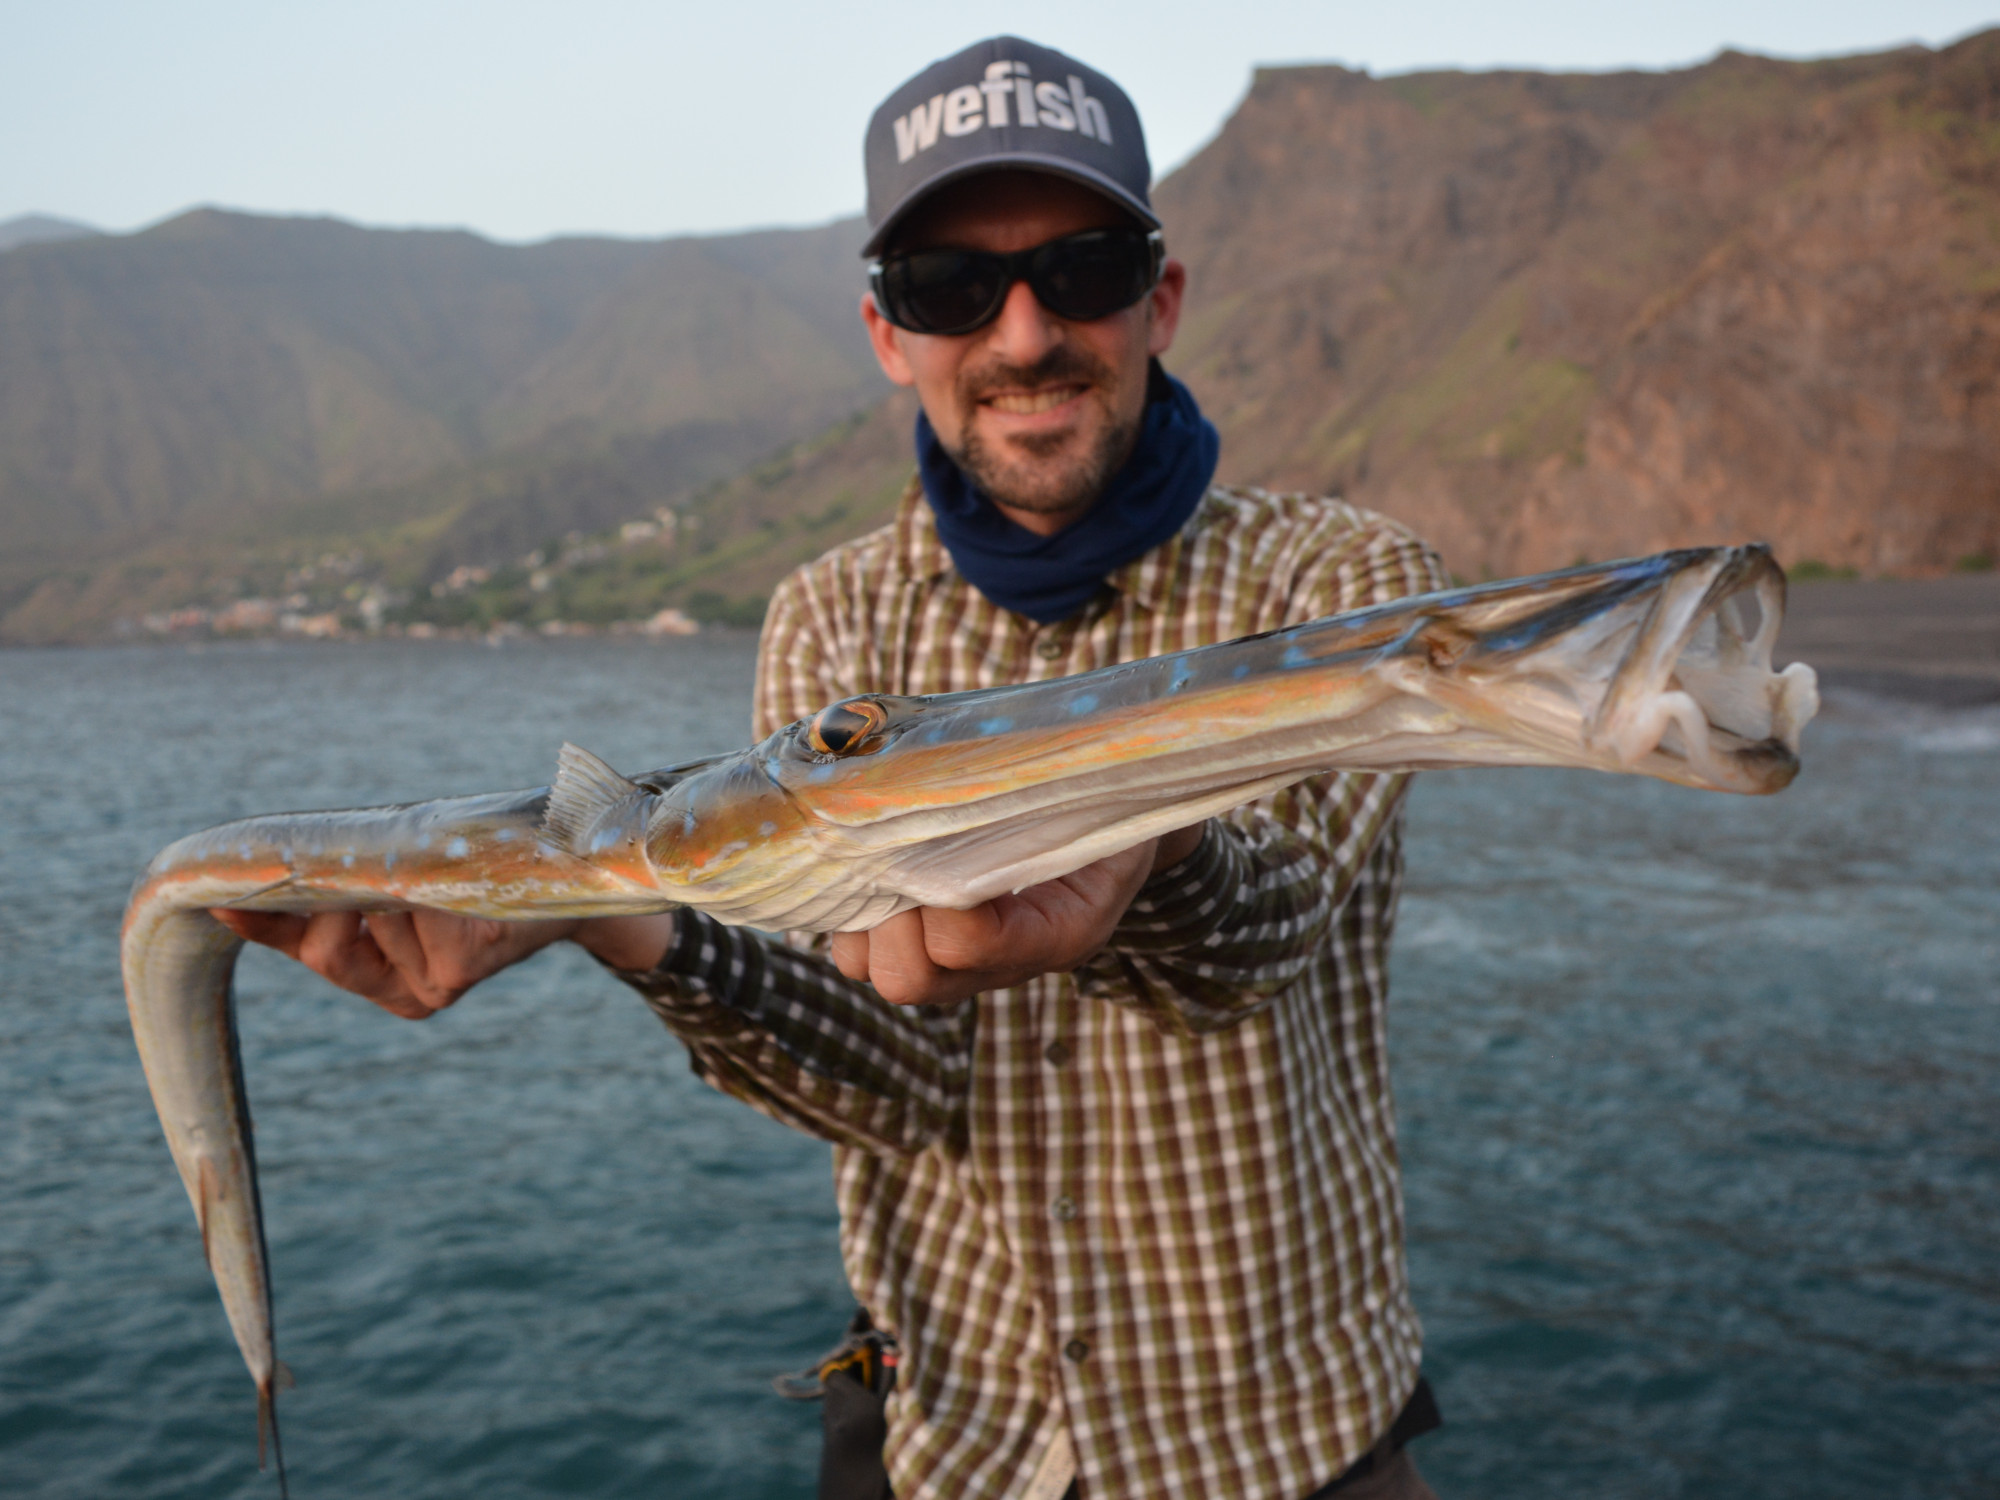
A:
(522, 119)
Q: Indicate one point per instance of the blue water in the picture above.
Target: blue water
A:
(1701, 1123)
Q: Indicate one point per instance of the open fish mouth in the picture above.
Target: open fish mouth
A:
(1661, 666)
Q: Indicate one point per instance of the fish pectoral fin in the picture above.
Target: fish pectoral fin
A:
(585, 791)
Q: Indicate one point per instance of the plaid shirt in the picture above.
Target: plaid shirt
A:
(1154, 1201)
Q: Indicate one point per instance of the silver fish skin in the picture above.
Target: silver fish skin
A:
(1659, 666)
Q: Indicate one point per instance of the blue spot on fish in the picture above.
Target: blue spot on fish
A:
(1183, 674)
(423, 841)
(347, 860)
(603, 840)
(819, 773)
(389, 860)
(456, 848)
(243, 851)
(1083, 703)
(995, 726)
(1295, 656)
(1242, 670)
(767, 829)
(503, 836)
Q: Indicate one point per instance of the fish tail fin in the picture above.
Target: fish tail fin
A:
(267, 1425)
(585, 791)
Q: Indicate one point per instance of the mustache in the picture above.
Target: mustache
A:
(1062, 363)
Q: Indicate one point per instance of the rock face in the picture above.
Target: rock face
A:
(1545, 317)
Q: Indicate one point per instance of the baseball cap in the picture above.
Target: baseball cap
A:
(1003, 102)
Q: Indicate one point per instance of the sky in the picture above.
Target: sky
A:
(522, 119)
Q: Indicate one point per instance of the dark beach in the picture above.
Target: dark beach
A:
(1931, 641)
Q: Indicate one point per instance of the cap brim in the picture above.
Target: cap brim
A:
(1020, 161)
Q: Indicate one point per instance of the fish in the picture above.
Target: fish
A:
(1659, 666)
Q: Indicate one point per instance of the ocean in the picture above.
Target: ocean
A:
(1699, 1097)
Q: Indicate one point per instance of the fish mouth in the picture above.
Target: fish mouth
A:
(1697, 687)
(1666, 661)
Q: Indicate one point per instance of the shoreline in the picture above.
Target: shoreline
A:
(1933, 642)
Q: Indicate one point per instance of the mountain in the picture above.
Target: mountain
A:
(36, 229)
(223, 374)
(1540, 317)
(1545, 317)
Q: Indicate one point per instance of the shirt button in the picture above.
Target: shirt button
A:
(1077, 1351)
(1063, 1209)
(1050, 649)
(1056, 1053)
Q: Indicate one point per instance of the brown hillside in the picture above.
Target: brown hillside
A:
(1544, 317)
(222, 376)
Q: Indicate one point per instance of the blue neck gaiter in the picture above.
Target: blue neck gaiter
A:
(1050, 578)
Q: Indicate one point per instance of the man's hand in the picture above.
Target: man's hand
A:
(930, 956)
(415, 963)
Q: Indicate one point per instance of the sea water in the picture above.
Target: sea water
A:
(1700, 1103)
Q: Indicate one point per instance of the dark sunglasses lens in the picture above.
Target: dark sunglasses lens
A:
(1091, 276)
(942, 291)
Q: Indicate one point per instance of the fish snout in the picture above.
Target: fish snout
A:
(1696, 688)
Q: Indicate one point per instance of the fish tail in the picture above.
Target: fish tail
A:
(267, 1426)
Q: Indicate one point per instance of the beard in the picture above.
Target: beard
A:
(1051, 474)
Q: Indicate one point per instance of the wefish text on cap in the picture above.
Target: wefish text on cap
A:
(1007, 85)
(1003, 102)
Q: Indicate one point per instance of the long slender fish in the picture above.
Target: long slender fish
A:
(1660, 666)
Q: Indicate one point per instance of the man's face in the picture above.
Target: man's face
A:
(1038, 411)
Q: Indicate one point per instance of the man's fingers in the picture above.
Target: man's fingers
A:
(337, 946)
(974, 939)
(395, 935)
(411, 963)
(274, 929)
(439, 954)
(899, 965)
(340, 948)
(850, 955)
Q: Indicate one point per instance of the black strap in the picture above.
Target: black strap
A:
(1419, 1415)
(853, 1431)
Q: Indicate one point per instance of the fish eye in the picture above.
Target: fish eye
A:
(843, 728)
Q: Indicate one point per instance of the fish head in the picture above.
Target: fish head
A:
(1660, 665)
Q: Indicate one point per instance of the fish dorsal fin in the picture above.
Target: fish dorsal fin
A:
(586, 790)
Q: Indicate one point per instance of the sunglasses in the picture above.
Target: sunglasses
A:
(1081, 277)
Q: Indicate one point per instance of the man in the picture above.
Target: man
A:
(1116, 1160)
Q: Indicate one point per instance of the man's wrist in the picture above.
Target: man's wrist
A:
(1177, 847)
(635, 944)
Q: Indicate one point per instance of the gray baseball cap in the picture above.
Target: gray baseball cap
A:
(1003, 102)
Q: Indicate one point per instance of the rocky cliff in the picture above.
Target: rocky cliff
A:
(1549, 317)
